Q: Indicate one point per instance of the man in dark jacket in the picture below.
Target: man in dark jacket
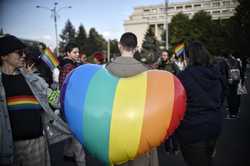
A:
(166, 64)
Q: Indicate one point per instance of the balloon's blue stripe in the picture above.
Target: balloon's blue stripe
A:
(98, 113)
(74, 98)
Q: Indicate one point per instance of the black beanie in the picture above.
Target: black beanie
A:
(10, 43)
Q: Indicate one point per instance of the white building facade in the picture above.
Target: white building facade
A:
(154, 16)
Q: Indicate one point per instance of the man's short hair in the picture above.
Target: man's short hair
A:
(129, 40)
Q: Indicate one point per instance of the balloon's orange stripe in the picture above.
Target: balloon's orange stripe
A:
(157, 116)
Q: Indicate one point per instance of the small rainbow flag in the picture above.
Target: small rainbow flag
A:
(50, 59)
(179, 49)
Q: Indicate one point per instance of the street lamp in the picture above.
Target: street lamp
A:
(166, 23)
(108, 50)
(54, 11)
(107, 37)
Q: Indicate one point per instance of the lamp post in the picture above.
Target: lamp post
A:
(107, 37)
(108, 50)
(54, 11)
(166, 23)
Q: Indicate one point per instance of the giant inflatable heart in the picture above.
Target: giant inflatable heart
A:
(118, 119)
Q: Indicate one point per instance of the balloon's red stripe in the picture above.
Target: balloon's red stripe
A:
(179, 106)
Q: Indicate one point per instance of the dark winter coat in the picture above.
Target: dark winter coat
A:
(203, 118)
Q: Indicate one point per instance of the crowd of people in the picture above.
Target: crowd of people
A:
(32, 125)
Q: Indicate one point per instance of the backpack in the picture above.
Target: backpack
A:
(233, 70)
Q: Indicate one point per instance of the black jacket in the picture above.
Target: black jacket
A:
(203, 118)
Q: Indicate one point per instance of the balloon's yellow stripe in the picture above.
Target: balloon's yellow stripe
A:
(127, 118)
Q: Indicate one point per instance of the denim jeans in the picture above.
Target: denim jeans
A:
(200, 153)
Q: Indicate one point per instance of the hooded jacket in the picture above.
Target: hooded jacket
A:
(205, 95)
(126, 67)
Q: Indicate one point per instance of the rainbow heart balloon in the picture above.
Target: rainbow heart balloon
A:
(118, 119)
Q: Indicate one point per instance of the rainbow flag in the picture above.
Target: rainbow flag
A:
(50, 59)
(118, 119)
(180, 49)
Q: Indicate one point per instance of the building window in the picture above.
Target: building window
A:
(154, 10)
(226, 3)
(188, 6)
(225, 11)
(216, 12)
(207, 4)
(146, 10)
(216, 4)
(197, 5)
(170, 8)
(179, 7)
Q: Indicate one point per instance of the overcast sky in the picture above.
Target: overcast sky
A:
(23, 19)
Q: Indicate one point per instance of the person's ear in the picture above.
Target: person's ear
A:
(119, 46)
(68, 53)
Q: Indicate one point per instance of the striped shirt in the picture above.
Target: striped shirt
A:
(24, 109)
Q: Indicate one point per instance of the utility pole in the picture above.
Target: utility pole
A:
(108, 50)
(54, 11)
(166, 23)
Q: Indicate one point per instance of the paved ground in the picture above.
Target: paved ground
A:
(233, 147)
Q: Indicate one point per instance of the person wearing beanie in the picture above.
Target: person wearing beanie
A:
(26, 119)
(10, 44)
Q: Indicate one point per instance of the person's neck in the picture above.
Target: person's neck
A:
(127, 54)
(9, 70)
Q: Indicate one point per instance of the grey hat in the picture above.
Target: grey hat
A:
(10, 43)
